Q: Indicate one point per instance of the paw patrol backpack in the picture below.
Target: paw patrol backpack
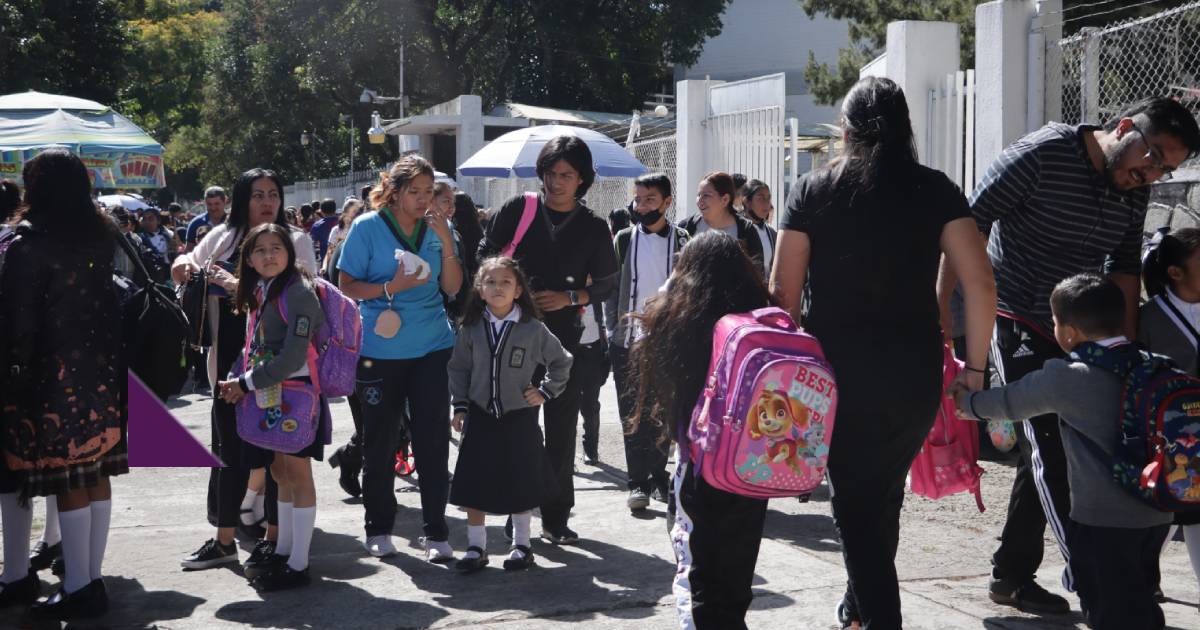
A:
(762, 425)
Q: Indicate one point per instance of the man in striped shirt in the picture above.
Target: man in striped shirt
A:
(1061, 201)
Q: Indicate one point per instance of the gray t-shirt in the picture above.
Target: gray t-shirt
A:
(1087, 400)
(703, 227)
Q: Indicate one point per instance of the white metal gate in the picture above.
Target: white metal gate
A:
(951, 129)
(748, 142)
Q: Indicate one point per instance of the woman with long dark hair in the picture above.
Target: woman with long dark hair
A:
(63, 380)
(257, 199)
(716, 211)
(716, 534)
(872, 227)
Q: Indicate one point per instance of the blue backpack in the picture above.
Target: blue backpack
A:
(1156, 445)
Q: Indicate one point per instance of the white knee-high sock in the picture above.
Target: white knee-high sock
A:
(51, 535)
(260, 507)
(248, 504)
(303, 520)
(1191, 537)
(521, 528)
(283, 544)
(476, 537)
(17, 521)
(101, 518)
(77, 547)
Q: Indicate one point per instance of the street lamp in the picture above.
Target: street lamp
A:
(305, 138)
(376, 133)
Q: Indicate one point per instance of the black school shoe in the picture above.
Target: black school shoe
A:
(279, 578)
(262, 559)
(348, 460)
(560, 535)
(1028, 596)
(89, 601)
(59, 566)
(44, 555)
(22, 592)
(468, 564)
(520, 565)
(212, 553)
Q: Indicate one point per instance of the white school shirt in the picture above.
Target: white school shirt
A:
(1189, 310)
(513, 316)
(591, 329)
(651, 255)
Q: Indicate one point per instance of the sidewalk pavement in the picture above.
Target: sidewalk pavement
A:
(619, 576)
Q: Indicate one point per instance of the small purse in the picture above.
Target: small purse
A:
(285, 422)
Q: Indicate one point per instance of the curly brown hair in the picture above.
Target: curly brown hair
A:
(398, 178)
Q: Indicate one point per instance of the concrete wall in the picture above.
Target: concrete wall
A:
(1002, 72)
(762, 37)
(919, 56)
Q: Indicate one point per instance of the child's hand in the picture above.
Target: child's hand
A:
(959, 392)
(458, 420)
(534, 397)
(230, 391)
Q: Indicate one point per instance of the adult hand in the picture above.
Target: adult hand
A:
(551, 300)
(959, 392)
(230, 391)
(404, 281)
(457, 422)
(440, 225)
(182, 270)
(218, 276)
(534, 397)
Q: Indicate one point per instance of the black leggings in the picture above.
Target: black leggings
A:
(226, 494)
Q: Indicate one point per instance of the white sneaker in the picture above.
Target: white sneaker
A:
(380, 546)
(438, 551)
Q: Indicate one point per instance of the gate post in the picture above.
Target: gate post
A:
(691, 109)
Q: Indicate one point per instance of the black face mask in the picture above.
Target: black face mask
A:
(648, 219)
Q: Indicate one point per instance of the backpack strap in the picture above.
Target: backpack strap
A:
(1179, 319)
(311, 358)
(527, 215)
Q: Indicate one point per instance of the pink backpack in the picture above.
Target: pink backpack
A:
(333, 353)
(762, 425)
(947, 463)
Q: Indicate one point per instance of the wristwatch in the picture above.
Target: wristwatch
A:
(573, 296)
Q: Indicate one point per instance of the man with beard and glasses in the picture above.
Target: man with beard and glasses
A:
(1063, 200)
(646, 251)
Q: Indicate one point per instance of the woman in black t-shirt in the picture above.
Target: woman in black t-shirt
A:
(866, 233)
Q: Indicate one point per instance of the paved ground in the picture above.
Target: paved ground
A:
(618, 577)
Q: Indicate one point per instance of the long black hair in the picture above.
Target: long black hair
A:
(1172, 251)
(473, 309)
(239, 210)
(248, 278)
(58, 199)
(713, 278)
(879, 147)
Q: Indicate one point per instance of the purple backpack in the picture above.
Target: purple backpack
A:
(333, 353)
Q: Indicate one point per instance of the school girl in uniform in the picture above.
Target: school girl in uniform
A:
(502, 465)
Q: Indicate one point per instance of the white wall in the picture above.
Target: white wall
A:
(1001, 75)
(761, 37)
(919, 56)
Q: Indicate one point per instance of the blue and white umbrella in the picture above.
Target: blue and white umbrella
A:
(516, 153)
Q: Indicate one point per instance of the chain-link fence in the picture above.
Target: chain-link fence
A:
(1104, 70)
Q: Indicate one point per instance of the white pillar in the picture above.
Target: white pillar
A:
(691, 108)
(1047, 30)
(1002, 86)
(469, 139)
(919, 56)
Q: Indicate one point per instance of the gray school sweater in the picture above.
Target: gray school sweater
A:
(1088, 403)
(477, 376)
(287, 340)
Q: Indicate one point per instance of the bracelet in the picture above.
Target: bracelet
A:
(386, 293)
(971, 369)
(450, 257)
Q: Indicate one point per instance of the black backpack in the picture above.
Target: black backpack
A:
(154, 329)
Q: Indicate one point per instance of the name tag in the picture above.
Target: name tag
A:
(517, 358)
(302, 326)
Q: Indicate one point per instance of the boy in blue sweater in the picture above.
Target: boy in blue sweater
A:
(1115, 538)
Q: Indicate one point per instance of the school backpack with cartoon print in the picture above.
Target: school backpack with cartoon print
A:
(761, 427)
(1156, 439)
(333, 353)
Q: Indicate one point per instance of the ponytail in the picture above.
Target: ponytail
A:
(1167, 250)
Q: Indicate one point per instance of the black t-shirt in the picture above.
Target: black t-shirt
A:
(874, 259)
(558, 253)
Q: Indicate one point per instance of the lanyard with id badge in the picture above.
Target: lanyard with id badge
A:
(387, 324)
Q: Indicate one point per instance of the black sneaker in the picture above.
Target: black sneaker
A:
(281, 577)
(508, 531)
(1027, 597)
(261, 559)
(468, 564)
(59, 566)
(660, 494)
(591, 453)
(526, 560)
(22, 592)
(638, 500)
(560, 535)
(44, 555)
(209, 555)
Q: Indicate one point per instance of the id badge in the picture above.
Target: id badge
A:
(387, 325)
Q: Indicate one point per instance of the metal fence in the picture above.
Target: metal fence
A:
(749, 142)
(1104, 70)
(336, 188)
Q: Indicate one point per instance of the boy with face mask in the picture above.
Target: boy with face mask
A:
(646, 252)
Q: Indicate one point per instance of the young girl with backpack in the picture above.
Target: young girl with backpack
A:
(276, 354)
(502, 465)
(1168, 324)
(716, 534)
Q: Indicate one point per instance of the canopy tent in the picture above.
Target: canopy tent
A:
(117, 153)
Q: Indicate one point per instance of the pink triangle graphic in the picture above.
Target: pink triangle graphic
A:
(156, 438)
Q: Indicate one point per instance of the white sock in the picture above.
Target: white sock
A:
(248, 504)
(101, 518)
(476, 537)
(260, 507)
(303, 520)
(51, 535)
(1191, 537)
(283, 545)
(77, 547)
(18, 520)
(521, 528)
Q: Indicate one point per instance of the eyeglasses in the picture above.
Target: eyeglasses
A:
(1155, 158)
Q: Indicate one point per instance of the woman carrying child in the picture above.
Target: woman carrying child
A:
(502, 465)
(1168, 325)
(277, 351)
